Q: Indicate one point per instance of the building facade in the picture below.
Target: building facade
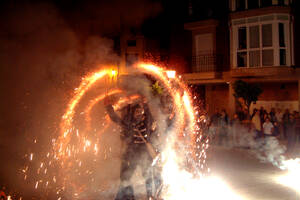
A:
(255, 41)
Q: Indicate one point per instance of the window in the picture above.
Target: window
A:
(242, 46)
(281, 2)
(260, 49)
(131, 43)
(252, 4)
(254, 36)
(281, 34)
(267, 35)
(265, 3)
(254, 58)
(267, 57)
(254, 53)
(263, 42)
(240, 5)
(282, 54)
(242, 59)
(282, 45)
(242, 38)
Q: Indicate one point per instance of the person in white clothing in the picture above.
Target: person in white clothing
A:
(268, 127)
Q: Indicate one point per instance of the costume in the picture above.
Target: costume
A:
(136, 122)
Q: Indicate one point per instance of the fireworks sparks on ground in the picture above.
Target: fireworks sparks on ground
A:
(292, 176)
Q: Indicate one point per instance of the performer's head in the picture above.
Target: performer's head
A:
(138, 112)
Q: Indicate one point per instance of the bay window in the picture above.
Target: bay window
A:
(240, 5)
(261, 41)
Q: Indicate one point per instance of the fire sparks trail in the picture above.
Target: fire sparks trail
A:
(67, 118)
(69, 168)
(92, 104)
(72, 162)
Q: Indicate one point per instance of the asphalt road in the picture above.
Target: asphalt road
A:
(247, 176)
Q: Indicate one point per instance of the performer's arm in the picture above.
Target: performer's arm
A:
(149, 119)
(111, 112)
(113, 115)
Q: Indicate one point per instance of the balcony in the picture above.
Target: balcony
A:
(205, 67)
(207, 63)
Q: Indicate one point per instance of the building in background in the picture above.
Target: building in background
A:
(254, 40)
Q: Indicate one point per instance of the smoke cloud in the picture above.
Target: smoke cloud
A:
(42, 60)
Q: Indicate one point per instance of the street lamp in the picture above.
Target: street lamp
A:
(171, 74)
(113, 72)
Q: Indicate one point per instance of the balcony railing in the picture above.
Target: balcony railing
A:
(207, 63)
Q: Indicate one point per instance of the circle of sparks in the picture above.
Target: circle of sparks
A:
(66, 153)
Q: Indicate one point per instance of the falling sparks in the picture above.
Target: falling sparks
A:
(31, 156)
(72, 153)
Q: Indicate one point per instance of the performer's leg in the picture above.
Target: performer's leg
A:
(158, 184)
(147, 173)
(128, 166)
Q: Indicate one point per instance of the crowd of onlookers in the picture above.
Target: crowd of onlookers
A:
(260, 124)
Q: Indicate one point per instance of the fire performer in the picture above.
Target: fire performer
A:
(136, 123)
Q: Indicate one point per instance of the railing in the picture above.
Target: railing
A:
(207, 62)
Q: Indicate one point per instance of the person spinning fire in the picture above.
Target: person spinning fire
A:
(136, 122)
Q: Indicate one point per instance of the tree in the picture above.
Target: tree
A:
(248, 92)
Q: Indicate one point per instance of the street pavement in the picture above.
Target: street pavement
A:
(247, 176)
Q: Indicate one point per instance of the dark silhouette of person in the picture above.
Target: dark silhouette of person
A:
(136, 122)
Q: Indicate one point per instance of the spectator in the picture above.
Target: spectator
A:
(273, 115)
(235, 125)
(279, 115)
(225, 115)
(285, 121)
(297, 127)
(262, 113)
(213, 125)
(223, 128)
(290, 131)
(240, 114)
(276, 131)
(266, 115)
(215, 117)
(268, 127)
(256, 123)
